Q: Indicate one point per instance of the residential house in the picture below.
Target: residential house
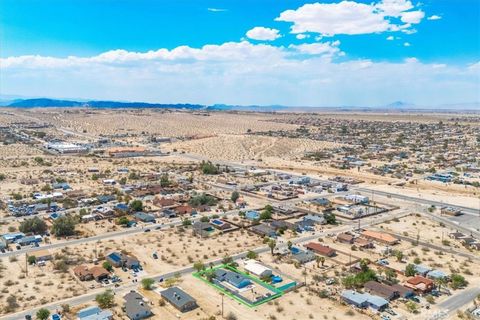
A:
(144, 217)
(456, 235)
(264, 230)
(381, 237)
(420, 284)
(345, 238)
(163, 202)
(136, 307)
(94, 313)
(202, 229)
(303, 256)
(364, 300)
(258, 269)
(118, 259)
(99, 273)
(184, 209)
(41, 255)
(232, 278)
(83, 273)
(179, 299)
(382, 290)
(320, 249)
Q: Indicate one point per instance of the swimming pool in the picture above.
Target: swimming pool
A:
(217, 222)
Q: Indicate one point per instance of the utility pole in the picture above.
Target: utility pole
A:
(26, 264)
(222, 294)
(305, 274)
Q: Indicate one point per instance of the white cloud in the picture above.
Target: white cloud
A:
(407, 44)
(240, 73)
(262, 33)
(302, 36)
(326, 49)
(216, 10)
(434, 17)
(390, 38)
(412, 17)
(350, 17)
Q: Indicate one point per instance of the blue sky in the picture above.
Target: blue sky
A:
(243, 52)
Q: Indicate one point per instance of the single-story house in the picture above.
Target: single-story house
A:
(12, 237)
(264, 230)
(303, 256)
(316, 219)
(94, 313)
(83, 273)
(168, 213)
(118, 259)
(403, 292)
(345, 238)
(421, 269)
(26, 241)
(436, 274)
(179, 299)
(320, 249)
(136, 307)
(144, 217)
(163, 202)
(257, 269)
(380, 237)
(382, 290)
(232, 278)
(364, 300)
(183, 209)
(99, 273)
(281, 224)
(122, 207)
(41, 255)
(420, 284)
(456, 235)
(202, 229)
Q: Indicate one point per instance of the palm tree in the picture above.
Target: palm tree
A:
(319, 260)
(272, 244)
(289, 245)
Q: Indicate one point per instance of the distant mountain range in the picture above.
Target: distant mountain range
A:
(398, 106)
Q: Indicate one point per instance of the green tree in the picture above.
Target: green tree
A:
(123, 221)
(234, 197)
(208, 168)
(186, 222)
(251, 254)
(43, 314)
(410, 270)
(202, 199)
(457, 281)
(330, 218)
(319, 260)
(147, 283)
(106, 299)
(31, 259)
(164, 180)
(107, 266)
(412, 307)
(390, 274)
(136, 205)
(399, 255)
(64, 226)
(34, 225)
(272, 244)
(199, 266)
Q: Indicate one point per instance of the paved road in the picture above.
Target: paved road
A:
(466, 210)
(108, 235)
(130, 286)
(459, 299)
